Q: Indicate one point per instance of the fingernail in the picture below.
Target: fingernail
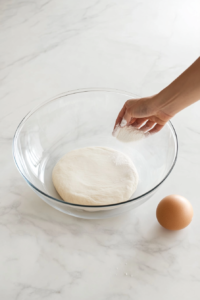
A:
(123, 123)
(115, 131)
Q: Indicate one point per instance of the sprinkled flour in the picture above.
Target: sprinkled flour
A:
(128, 134)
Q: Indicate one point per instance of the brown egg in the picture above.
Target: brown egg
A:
(174, 212)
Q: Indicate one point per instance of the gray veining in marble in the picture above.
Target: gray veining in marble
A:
(48, 47)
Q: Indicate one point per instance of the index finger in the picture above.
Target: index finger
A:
(120, 116)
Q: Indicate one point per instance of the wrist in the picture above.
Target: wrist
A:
(167, 101)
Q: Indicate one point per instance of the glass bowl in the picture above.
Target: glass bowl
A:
(84, 118)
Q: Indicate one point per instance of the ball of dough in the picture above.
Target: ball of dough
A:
(95, 176)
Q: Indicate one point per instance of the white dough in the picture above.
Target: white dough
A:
(95, 176)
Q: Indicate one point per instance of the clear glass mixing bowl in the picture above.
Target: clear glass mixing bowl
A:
(84, 118)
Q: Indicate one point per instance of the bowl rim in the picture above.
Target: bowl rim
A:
(77, 91)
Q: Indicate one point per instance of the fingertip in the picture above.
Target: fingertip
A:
(118, 121)
(123, 123)
(132, 121)
(126, 119)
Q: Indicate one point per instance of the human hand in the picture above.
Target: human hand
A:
(144, 114)
(150, 114)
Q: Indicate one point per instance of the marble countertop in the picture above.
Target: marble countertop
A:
(52, 46)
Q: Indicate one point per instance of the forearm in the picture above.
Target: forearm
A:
(182, 92)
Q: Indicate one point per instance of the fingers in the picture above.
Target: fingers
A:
(124, 117)
(131, 110)
(140, 114)
(138, 122)
(155, 129)
(157, 120)
(132, 121)
(120, 116)
(149, 125)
